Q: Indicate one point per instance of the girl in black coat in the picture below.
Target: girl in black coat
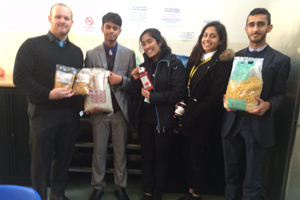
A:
(208, 72)
(154, 110)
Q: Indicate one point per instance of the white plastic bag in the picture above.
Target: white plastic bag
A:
(100, 97)
(245, 84)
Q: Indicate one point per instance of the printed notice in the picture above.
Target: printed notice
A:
(139, 14)
(187, 36)
(171, 17)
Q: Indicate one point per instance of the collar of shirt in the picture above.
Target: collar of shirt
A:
(114, 49)
(207, 55)
(52, 38)
(259, 49)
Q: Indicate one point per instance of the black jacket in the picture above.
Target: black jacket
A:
(275, 71)
(205, 105)
(169, 88)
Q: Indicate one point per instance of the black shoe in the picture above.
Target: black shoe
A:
(196, 198)
(188, 196)
(96, 195)
(121, 194)
(156, 196)
(146, 197)
(54, 197)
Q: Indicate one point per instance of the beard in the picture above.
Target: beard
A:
(258, 39)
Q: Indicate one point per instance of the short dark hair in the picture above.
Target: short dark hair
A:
(155, 33)
(114, 17)
(198, 49)
(257, 11)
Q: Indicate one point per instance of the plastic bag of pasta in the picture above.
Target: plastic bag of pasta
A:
(245, 84)
(100, 96)
(83, 79)
(64, 77)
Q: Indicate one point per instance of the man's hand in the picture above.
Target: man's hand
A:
(90, 88)
(96, 110)
(93, 111)
(60, 93)
(135, 72)
(263, 106)
(114, 79)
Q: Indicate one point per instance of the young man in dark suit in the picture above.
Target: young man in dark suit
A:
(247, 135)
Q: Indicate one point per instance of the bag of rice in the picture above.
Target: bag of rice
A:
(245, 84)
(100, 97)
(64, 77)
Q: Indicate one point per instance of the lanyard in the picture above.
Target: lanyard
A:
(194, 69)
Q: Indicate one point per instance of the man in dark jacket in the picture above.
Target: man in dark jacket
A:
(53, 112)
(247, 135)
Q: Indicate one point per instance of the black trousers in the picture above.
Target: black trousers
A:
(52, 139)
(195, 150)
(156, 151)
(244, 162)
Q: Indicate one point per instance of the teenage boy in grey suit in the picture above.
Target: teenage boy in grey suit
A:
(120, 61)
(247, 135)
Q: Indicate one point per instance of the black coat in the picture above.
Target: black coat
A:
(169, 88)
(204, 108)
(275, 71)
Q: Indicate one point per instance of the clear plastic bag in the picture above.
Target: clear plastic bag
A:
(83, 79)
(245, 84)
(64, 77)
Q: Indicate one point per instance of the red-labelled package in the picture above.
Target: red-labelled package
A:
(144, 77)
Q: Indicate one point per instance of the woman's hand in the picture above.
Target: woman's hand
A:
(135, 72)
(145, 93)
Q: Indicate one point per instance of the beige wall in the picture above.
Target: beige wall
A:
(20, 20)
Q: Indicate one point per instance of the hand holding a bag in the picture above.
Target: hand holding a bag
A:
(60, 93)
(114, 79)
(263, 106)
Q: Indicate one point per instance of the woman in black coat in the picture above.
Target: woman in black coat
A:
(208, 72)
(153, 112)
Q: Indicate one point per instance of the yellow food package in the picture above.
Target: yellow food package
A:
(245, 84)
(64, 77)
(83, 79)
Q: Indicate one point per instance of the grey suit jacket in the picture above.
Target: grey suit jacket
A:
(123, 65)
(276, 67)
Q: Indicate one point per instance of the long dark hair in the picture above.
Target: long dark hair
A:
(198, 49)
(153, 32)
